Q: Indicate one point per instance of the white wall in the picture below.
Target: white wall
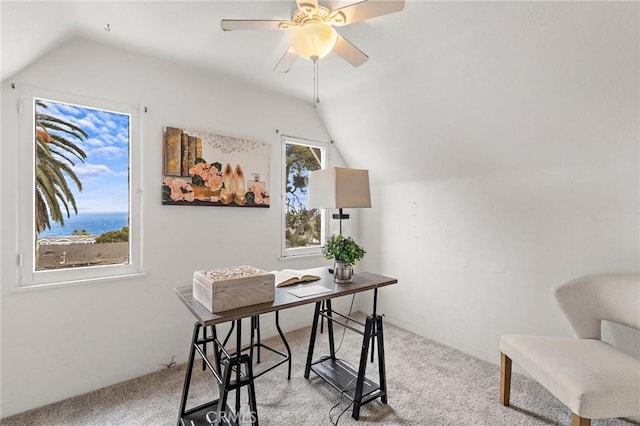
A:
(477, 258)
(65, 341)
(504, 152)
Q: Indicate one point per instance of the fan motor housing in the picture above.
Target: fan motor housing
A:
(302, 15)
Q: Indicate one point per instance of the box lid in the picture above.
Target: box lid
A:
(229, 273)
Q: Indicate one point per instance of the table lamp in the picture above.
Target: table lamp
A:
(339, 188)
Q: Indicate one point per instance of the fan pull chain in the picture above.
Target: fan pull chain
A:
(316, 97)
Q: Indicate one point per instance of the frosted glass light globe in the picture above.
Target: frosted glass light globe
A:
(313, 40)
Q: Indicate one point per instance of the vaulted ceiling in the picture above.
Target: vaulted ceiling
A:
(450, 89)
(189, 32)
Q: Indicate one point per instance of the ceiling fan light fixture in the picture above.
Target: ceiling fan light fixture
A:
(337, 18)
(313, 40)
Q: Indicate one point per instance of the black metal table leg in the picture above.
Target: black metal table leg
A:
(373, 330)
(332, 348)
(204, 347)
(216, 351)
(238, 354)
(312, 340)
(233, 363)
(381, 368)
(226, 339)
(254, 346)
(258, 332)
(253, 330)
(286, 344)
(224, 393)
(357, 398)
(252, 393)
(340, 374)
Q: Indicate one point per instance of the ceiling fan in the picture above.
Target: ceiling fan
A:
(312, 34)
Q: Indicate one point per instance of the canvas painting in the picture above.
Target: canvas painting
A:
(206, 169)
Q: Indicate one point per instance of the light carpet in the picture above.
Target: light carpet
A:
(428, 384)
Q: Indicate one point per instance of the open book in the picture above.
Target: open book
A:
(291, 276)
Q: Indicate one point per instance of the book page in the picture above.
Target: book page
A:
(292, 272)
(300, 275)
(291, 276)
(282, 278)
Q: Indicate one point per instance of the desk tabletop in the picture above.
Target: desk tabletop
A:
(362, 281)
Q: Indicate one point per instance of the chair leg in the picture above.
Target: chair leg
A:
(505, 380)
(579, 421)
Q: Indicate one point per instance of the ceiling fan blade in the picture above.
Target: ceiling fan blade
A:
(307, 4)
(349, 52)
(249, 24)
(286, 62)
(366, 9)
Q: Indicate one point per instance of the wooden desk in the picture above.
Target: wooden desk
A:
(362, 281)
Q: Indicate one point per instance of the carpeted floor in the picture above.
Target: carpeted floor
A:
(428, 384)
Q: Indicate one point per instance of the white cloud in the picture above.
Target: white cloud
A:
(52, 110)
(58, 110)
(108, 139)
(88, 169)
(86, 124)
(109, 152)
(123, 138)
(92, 116)
(68, 109)
(94, 142)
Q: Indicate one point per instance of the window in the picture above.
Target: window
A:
(80, 206)
(303, 228)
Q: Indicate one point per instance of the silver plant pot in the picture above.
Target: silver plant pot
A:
(342, 272)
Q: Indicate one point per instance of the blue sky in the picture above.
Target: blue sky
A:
(302, 196)
(105, 172)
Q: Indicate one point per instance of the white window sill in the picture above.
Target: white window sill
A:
(301, 256)
(37, 287)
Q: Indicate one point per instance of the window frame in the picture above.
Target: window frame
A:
(28, 276)
(288, 253)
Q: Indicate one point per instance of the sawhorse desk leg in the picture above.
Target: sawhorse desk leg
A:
(312, 340)
(217, 412)
(365, 390)
(373, 332)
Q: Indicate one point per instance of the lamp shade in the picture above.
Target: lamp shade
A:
(313, 40)
(339, 187)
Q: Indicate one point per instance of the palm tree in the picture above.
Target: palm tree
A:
(54, 161)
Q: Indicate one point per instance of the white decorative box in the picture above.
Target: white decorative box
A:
(224, 289)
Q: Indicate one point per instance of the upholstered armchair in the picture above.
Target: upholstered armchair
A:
(591, 377)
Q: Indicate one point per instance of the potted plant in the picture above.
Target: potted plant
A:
(346, 252)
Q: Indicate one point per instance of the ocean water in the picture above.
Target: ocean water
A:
(93, 223)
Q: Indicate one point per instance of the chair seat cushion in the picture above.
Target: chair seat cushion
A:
(592, 378)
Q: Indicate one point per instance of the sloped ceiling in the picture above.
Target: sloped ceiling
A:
(188, 32)
(451, 88)
(497, 88)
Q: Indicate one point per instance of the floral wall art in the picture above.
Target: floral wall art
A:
(207, 169)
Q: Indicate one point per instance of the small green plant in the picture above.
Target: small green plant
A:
(343, 249)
